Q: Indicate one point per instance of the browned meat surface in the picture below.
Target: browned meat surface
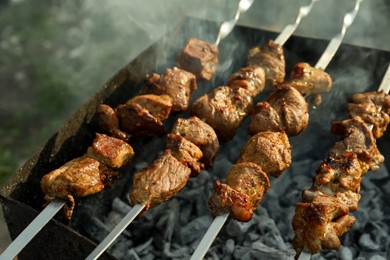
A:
(357, 138)
(138, 121)
(79, 177)
(110, 151)
(251, 78)
(223, 109)
(200, 134)
(158, 106)
(265, 118)
(199, 57)
(109, 122)
(176, 83)
(285, 110)
(185, 152)
(271, 151)
(373, 108)
(270, 57)
(249, 179)
(319, 224)
(160, 181)
(309, 80)
(228, 200)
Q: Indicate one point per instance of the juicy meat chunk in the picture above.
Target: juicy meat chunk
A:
(309, 80)
(373, 108)
(158, 106)
(138, 121)
(199, 57)
(228, 200)
(185, 152)
(178, 84)
(79, 177)
(270, 57)
(251, 78)
(357, 138)
(249, 179)
(224, 109)
(160, 181)
(109, 122)
(200, 134)
(271, 151)
(110, 151)
(265, 118)
(319, 224)
(287, 107)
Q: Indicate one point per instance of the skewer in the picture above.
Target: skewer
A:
(385, 87)
(224, 31)
(322, 63)
(32, 229)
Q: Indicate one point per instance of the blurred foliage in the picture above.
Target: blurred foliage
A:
(53, 56)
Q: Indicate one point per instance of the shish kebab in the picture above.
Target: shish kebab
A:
(324, 213)
(141, 115)
(223, 110)
(267, 153)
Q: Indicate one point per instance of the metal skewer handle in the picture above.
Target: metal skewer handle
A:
(32, 229)
(289, 29)
(228, 26)
(336, 41)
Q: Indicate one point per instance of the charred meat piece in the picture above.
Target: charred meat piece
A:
(309, 80)
(199, 57)
(176, 83)
(200, 134)
(160, 181)
(373, 108)
(185, 152)
(228, 200)
(357, 138)
(250, 78)
(270, 57)
(138, 121)
(286, 107)
(245, 187)
(79, 177)
(108, 121)
(223, 109)
(110, 151)
(158, 106)
(319, 224)
(271, 151)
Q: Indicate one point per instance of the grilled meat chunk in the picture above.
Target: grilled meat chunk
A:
(223, 109)
(309, 80)
(160, 181)
(271, 151)
(373, 108)
(108, 121)
(200, 134)
(357, 138)
(270, 57)
(185, 152)
(319, 224)
(79, 177)
(138, 121)
(285, 110)
(110, 151)
(199, 57)
(176, 83)
(251, 78)
(158, 106)
(228, 200)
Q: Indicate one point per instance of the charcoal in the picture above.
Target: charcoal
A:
(176, 253)
(144, 247)
(195, 229)
(131, 255)
(238, 229)
(366, 242)
(229, 247)
(345, 253)
(120, 206)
